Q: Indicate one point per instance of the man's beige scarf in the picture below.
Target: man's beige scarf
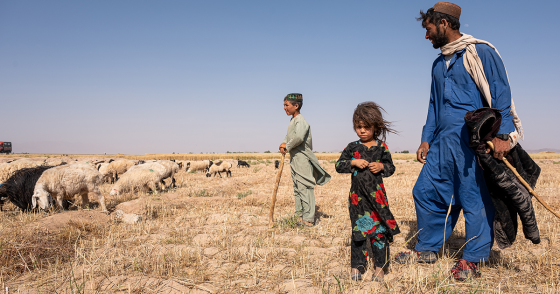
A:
(474, 67)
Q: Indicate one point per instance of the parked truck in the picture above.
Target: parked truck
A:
(6, 147)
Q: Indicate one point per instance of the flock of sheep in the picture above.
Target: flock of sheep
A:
(33, 184)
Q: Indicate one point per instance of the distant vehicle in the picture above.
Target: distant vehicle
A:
(6, 147)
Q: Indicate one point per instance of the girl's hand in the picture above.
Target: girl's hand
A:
(376, 167)
(359, 163)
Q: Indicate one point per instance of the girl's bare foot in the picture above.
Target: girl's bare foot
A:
(355, 274)
(378, 275)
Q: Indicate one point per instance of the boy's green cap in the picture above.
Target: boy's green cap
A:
(294, 97)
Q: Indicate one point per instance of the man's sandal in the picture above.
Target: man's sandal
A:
(415, 256)
(464, 271)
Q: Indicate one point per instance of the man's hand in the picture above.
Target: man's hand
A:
(422, 152)
(282, 148)
(501, 148)
(359, 163)
(376, 167)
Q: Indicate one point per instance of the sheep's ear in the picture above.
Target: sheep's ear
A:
(33, 202)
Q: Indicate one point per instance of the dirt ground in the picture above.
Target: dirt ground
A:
(210, 235)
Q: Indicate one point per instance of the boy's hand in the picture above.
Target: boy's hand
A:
(376, 167)
(359, 163)
(282, 148)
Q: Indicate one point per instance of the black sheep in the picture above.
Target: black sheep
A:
(241, 163)
(276, 164)
(19, 187)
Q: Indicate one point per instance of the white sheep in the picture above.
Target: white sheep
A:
(139, 178)
(182, 164)
(169, 170)
(65, 181)
(202, 165)
(232, 161)
(220, 167)
(102, 168)
(119, 167)
(7, 169)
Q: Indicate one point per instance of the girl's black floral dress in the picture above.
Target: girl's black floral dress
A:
(367, 202)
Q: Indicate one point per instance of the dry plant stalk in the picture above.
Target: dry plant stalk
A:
(273, 202)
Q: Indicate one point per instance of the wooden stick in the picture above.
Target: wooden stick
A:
(278, 176)
(523, 182)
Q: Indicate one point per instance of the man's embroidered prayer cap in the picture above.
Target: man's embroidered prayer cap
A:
(294, 97)
(448, 8)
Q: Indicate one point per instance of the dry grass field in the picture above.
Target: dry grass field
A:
(210, 235)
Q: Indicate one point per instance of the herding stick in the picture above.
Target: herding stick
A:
(278, 176)
(523, 181)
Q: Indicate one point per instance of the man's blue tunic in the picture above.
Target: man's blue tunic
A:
(451, 173)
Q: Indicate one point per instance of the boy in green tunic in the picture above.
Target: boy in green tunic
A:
(306, 170)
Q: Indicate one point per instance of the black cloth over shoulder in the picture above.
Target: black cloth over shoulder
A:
(508, 194)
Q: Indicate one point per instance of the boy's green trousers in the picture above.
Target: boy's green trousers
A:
(305, 201)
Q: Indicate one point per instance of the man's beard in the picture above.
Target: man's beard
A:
(440, 39)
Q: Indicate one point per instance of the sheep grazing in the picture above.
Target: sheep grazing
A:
(65, 181)
(139, 178)
(171, 169)
(102, 168)
(242, 163)
(182, 164)
(276, 164)
(7, 169)
(218, 168)
(203, 165)
(19, 187)
(119, 167)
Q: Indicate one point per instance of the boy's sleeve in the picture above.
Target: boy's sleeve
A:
(387, 161)
(344, 163)
(299, 131)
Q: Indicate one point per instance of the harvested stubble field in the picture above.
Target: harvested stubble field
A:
(210, 235)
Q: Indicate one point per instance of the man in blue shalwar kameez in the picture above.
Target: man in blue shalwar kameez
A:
(451, 177)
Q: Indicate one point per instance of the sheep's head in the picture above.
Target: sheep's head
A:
(207, 174)
(41, 198)
(114, 192)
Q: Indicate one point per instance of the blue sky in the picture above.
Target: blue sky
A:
(141, 77)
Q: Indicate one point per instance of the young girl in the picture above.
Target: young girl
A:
(306, 170)
(369, 160)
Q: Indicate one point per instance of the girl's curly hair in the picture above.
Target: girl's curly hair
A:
(369, 113)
